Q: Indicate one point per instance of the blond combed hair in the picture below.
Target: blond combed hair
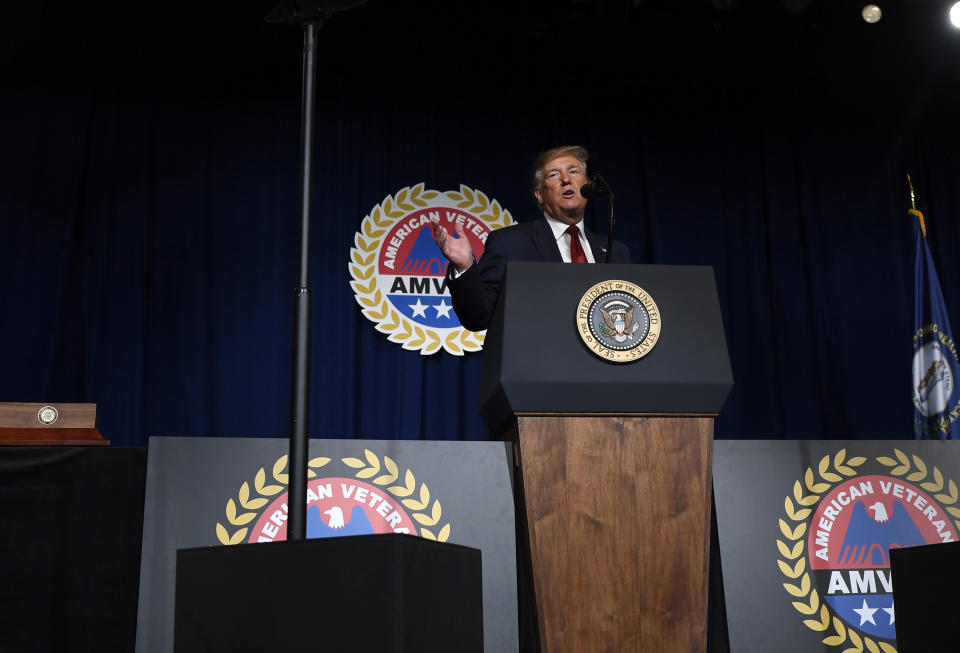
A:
(576, 151)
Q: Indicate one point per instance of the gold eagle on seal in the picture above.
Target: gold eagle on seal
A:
(619, 322)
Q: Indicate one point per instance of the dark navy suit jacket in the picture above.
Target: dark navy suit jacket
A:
(474, 293)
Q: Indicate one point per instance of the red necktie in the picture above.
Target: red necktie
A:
(577, 255)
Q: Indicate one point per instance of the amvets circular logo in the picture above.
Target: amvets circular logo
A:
(336, 507)
(343, 504)
(618, 321)
(837, 534)
(399, 274)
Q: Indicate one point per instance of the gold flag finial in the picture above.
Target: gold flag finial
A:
(913, 206)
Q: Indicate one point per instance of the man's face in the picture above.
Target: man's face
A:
(559, 191)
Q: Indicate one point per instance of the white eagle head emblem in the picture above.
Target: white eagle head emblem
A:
(336, 517)
(879, 512)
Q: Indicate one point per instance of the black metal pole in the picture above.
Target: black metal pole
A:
(300, 410)
(610, 231)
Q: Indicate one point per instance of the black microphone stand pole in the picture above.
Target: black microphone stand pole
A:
(601, 186)
(610, 230)
(300, 409)
(311, 13)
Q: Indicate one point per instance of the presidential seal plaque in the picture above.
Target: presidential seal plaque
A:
(618, 321)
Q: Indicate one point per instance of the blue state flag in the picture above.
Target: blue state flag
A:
(936, 368)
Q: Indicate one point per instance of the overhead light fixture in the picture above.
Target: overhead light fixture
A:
(955, 15)
(871, 14)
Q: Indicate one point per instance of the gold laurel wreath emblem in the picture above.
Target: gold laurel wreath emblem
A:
(251, 505)
(424, 513)
(792, 562)
(363, 267)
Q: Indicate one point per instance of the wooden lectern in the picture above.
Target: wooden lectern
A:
(614, 459)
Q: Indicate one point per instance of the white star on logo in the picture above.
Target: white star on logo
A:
(866, 613)
(442, 309)
(889, 611)
(419, 309)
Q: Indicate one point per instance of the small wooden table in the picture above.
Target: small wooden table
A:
(39, 424)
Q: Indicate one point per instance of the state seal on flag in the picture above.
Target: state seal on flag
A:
(618, 321)
(840, 523)
(399, 274)
(935, 366)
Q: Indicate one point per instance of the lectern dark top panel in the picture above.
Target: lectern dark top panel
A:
(535, 362)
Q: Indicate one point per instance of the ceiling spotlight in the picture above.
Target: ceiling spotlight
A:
(955, 14)
(871, 13)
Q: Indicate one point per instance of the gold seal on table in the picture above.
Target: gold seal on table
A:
(47, 415)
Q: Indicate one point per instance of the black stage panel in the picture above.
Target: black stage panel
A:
(925, 581)
(376, 593)
(70, 551)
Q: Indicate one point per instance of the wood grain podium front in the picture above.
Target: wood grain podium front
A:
(38, 424)
(614, 460)
(618, 539)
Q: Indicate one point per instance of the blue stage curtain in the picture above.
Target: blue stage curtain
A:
(149, 253)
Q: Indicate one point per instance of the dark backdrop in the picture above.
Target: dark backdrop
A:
(148, 195)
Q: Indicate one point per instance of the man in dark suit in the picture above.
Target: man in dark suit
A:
(557, 236)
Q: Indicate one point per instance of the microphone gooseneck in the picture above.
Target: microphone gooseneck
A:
(600, 187)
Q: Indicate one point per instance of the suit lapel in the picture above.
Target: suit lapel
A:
(598, 244)
(543, 240)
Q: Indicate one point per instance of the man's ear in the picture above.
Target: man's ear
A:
(538, 195)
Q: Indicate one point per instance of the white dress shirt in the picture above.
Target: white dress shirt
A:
(563, 238)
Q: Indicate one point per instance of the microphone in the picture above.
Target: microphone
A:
(596, 187)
